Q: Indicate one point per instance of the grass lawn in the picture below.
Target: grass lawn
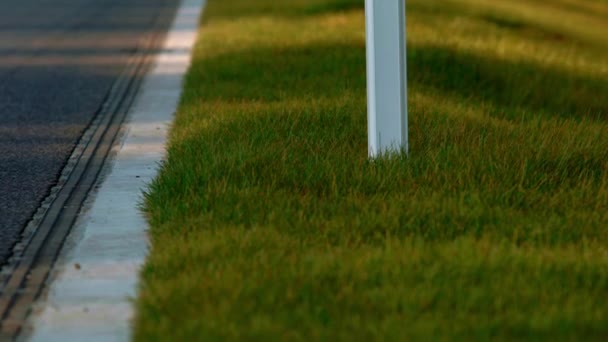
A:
(270, 223)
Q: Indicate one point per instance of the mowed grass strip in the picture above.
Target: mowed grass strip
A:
(269, 221)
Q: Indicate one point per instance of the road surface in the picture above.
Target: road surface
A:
(58, 60)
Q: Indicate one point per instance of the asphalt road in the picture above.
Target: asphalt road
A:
(58, 60)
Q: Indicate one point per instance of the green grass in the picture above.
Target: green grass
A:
(268, 221)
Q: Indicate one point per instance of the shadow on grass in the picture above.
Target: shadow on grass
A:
(335, 6)
(509, 90)
(317, 151)
(285, 9)
(516, 90)
(320, 71)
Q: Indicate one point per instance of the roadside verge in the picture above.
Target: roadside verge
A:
(269, 222)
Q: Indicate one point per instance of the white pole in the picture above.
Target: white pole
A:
(386, 76)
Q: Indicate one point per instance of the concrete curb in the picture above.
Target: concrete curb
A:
(95, 279)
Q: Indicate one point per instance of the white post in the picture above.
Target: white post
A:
(386, 76)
